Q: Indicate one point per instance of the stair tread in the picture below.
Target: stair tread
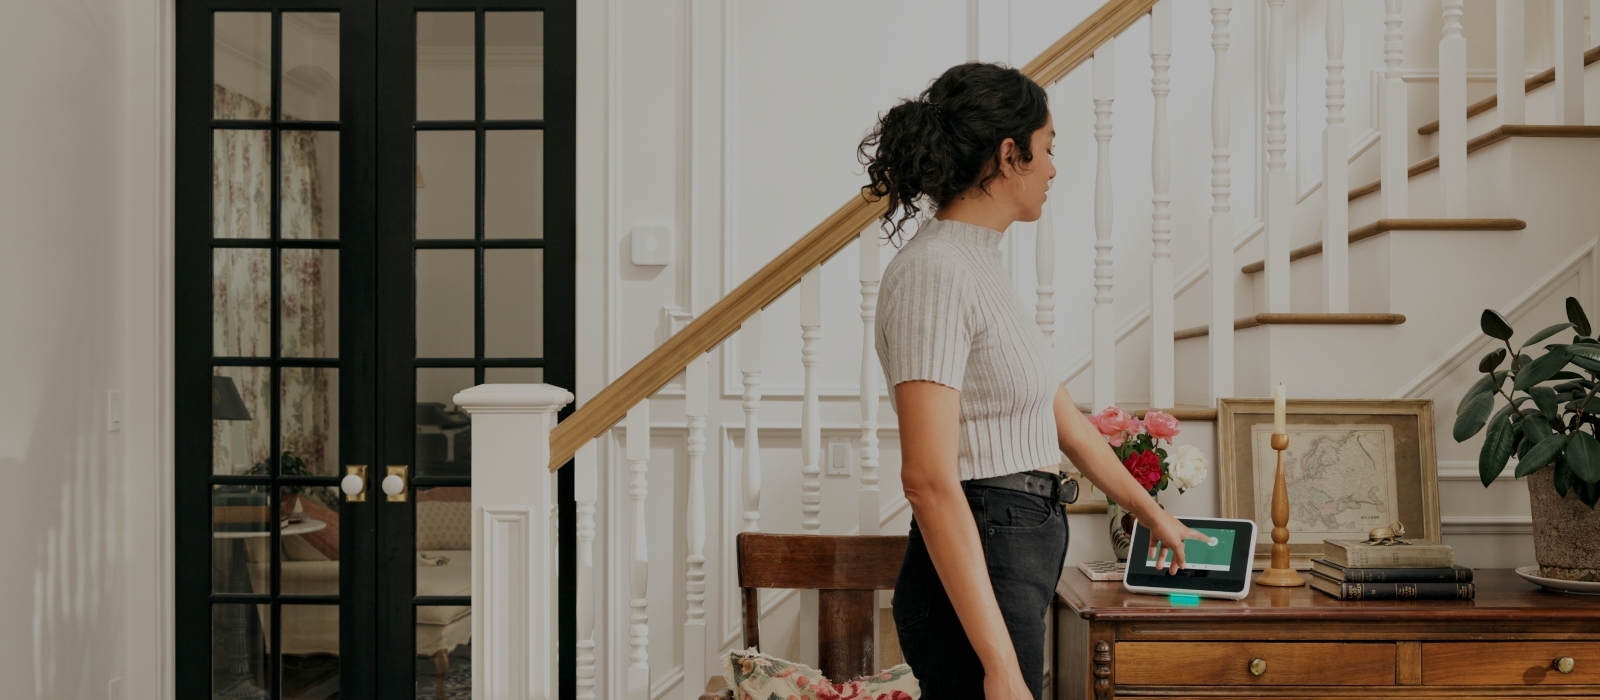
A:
(1490, 102)
(1195, 412)
(1362, 233)
(1306, 319)
(1485, 140)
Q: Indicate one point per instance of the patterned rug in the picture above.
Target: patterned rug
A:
(458, 684)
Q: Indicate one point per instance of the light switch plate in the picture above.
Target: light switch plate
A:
(838, 458)
(652, 246)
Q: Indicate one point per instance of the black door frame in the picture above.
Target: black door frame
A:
(368, 435)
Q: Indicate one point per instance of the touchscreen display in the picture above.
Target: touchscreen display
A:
(1213, 555)
(1219, 563)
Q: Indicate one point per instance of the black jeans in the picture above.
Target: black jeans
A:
(1024, 546)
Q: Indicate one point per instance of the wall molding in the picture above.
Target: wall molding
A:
(1486, 525)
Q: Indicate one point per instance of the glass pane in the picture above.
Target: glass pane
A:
(241, 413)
(444, 431)
(308, 410)
(241, 183)
(241, 302)
(513, 188)
(445, 318)
(308, 306)
(239, 522)
(513, 375)
(309, 544)
(444, 541)
(239, 651)
(445, 180)
(242, 65)
(310, 652)
(444, 651)
(311, 66)
(513, 65)
(309, 192)
(446, 88)
(513, 302)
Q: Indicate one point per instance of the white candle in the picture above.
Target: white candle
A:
(1278, 427)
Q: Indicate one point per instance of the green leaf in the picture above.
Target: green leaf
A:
(1541, 455)
(1591, 365)
(1580, 321)
(1564, 375)
(1497, 449)
(1536, 429)
(1589, 350)
(1589, 494)
(1494, 325)
(1492, 361)
(1583, 456)
(1487, 384)
(1545, 398)
(1545, 333)
(1470, 416)
(1542, 369)
(1563, 475)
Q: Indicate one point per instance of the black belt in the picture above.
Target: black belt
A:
(1038, 483)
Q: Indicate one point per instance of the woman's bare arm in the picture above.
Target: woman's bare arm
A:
(1089, 452)
(929, 416)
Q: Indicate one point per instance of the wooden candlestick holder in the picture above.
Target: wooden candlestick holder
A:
(1279, 574)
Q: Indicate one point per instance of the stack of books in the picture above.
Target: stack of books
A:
(1416, 570)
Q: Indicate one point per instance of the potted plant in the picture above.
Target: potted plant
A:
(1542, 409)
(1137, 444)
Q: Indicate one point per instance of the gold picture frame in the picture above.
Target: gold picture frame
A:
(1372, 461)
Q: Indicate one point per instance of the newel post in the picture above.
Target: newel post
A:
(513, 539)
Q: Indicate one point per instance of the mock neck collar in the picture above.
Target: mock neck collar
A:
(961, 232)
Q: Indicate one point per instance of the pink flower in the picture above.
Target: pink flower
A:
(1162, 425)
(1116, 424)
(1145, 468)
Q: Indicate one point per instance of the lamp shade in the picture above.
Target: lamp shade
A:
(226, 403)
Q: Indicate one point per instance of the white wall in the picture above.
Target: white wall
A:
(61, 511)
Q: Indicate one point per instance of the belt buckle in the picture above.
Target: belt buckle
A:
(1068, 491)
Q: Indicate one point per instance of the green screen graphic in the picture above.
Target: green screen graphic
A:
(1205, 556)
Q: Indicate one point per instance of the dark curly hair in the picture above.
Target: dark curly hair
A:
(947, 140)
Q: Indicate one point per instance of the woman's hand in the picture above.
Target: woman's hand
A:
(1167, 534)
(1006, 686)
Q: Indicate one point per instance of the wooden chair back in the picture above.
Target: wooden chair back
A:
(847, 571)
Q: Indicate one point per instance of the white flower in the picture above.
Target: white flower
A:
(1188, 468)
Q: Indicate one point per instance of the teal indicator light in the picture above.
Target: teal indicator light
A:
(1184, 600)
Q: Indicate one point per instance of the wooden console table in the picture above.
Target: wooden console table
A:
(1514, 640)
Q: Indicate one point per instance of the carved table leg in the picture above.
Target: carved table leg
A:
(441, 671)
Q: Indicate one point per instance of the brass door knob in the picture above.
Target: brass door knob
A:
(1565, 664)
(1258, 667)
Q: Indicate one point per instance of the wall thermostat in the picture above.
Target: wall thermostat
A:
(652, 246)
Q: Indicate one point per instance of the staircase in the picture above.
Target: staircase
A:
(1349, 290)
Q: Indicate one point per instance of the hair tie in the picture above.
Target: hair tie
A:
(936, 110)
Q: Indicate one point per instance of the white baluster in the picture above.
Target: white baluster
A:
(586, 477)
(1105, 322)
(1453, 112)
(750, 367)
(1393, 157)
(1279, 194)
(1044, 270)
(868, 513)
(514, 602)
(1335, 174)
(811, 408)
(1569, 47)
(696, 385)
(1594, 23)
(637, 435)
(1510, 84)
(1162, 370)
(1222, 269)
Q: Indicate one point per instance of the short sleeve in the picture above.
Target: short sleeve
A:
(923, 317)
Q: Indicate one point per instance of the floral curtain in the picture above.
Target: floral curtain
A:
(242, 288)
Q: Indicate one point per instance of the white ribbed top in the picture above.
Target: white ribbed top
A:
(947, 313)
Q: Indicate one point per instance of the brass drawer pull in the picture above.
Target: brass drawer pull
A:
(1564, 664)
(1258, 667)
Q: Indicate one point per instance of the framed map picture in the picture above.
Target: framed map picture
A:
(1351, 466)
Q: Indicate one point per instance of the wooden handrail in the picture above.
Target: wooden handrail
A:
(815, 248)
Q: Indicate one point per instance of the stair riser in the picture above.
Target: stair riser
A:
(1540, 107)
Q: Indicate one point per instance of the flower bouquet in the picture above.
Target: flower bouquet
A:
(1138, 444)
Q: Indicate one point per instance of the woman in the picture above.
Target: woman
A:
(983, 418)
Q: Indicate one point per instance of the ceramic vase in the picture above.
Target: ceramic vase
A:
(1566, 533)
(1120, 525)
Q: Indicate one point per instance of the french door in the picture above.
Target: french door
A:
(374, 211)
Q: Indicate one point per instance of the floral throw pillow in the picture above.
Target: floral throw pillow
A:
(756, 676)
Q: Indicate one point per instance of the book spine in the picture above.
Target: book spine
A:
(1451, 575)
(1398, 557)
(1406, 591)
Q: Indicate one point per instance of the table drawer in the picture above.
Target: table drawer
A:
(1509, 663)
(1229, 663)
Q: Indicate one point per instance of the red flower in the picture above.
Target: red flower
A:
(1145, 467)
